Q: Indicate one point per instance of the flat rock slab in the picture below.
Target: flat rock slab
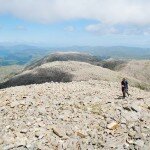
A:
(113, 125)
(59, 132)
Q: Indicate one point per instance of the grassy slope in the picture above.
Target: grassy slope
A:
(72, 71)
(138, 69)
(7, 72)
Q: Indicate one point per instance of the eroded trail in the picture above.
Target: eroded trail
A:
(77, 115)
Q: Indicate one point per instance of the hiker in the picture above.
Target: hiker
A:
(124, 85)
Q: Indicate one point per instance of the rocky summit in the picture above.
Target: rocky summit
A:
(78, 115)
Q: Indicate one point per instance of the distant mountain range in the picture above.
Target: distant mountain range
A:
(20, 54)
(115, 51)
(23, 54)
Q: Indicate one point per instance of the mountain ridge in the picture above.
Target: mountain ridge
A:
(68, 71)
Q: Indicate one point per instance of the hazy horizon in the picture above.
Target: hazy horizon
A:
(41, 45)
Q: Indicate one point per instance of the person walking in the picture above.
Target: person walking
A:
(124, 85)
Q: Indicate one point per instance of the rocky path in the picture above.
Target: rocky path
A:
(74, 116)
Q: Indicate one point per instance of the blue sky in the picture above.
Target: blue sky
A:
(80, 22)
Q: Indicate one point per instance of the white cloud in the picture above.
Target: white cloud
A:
(101, 29)
(106, 11)
(123, 29)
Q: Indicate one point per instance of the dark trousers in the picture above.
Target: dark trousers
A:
(124, 92)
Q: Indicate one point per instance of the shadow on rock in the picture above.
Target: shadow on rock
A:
(119, 97)
(39, 76)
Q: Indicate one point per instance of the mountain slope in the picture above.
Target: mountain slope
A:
(139, 69)
(65, 56)
(66, 71)
(76, 115)
(6, 72)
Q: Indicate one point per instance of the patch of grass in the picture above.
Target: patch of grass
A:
(96, 109)
(6, 72)
(112, 65)
(143, 86)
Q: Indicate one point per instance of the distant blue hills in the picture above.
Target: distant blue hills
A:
(24, 54)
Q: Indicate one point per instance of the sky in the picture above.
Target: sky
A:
(75, 22)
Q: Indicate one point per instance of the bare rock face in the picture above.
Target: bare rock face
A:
(75, 115)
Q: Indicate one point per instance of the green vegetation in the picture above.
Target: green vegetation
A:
(143, 86)
(6, 72)
(96, 109)
(112, 64)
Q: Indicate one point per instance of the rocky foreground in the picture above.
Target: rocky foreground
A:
(74, 116)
